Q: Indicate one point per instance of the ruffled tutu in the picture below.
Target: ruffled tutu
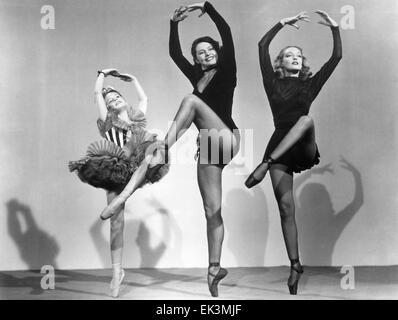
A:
(108, 166)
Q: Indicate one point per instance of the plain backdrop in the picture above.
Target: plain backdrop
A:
(346, 215)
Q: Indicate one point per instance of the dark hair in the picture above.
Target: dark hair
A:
(207, 39)
(304, 73)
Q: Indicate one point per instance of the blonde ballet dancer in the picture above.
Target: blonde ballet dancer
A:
(122, 158)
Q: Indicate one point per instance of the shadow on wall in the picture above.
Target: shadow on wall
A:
(319, 225)
(246, 219)
(36, 247)
(149, 254)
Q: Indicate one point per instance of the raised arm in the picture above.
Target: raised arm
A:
(99, 99)
(142, 98)
(267, 71)
(320, 78)
(225, 33)
(175, 47)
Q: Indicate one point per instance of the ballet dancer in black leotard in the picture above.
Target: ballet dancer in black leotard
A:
(209, 107)
(213, 77)
(292, 147)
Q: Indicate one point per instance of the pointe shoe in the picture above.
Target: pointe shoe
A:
(251, 181)
(293, 286)
(115, 284)
(213, 286)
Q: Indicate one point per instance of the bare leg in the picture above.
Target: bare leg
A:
(209, 181)
(210, 186)
(194, 110)
(116, 243)
(135, 182)
(302, 132)
(282, 183)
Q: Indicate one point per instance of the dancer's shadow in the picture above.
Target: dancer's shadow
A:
(102, 243)
(36, 247)
(150, 255)
(319, 225)
(246, 219)
(141, 243)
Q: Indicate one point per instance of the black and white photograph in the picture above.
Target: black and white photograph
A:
(215, 152)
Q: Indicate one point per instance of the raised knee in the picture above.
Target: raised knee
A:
(190, 100)
(307, 121)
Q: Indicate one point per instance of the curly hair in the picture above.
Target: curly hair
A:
(304, 73)
(110, 89)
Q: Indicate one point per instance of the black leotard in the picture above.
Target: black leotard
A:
(218, 94)
(291, 97)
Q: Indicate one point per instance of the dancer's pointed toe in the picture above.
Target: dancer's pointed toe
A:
(221, 274)
(258, 174)
(115, 284)
(251, 181)
(296, 270)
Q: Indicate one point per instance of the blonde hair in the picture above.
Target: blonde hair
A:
(304, 73)
(110, 89)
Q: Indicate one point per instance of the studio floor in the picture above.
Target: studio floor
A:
(190, 284)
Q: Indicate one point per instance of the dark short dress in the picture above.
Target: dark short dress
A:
(219, 92)
(290, 98)
(110, 162)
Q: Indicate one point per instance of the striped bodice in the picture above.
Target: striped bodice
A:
(118, 136)
(119, 131)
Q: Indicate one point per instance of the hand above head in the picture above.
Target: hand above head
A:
(180, 14)
(197, 6)
(329, 22)
(302, 16)
(110, 71)
(347, 165)
(127, 77)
